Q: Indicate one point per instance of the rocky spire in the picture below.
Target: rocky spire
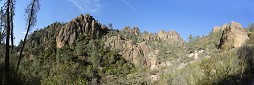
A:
(82, 25)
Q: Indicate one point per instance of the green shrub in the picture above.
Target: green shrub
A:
(225, 67)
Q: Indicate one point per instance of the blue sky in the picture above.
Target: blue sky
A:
(197, 17)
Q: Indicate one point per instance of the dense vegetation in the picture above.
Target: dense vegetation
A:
(85, 62)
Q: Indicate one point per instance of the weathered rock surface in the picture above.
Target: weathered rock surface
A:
(171, 37)
(150, 36)
(233, 36)
(130, 43)
(134, 31)
(44, 37)
(216, 29)
(222, 28)
(139, 54)
(82, 25)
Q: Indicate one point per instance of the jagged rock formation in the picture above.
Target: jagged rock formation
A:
(44, 37)
(139, 54)
(233, 36)
(130, 43)
(222, 28)
(150, 36)
(82, 25)
(171, 37)
(216, 29)
(134, 31)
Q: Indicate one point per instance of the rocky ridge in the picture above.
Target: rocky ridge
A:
(82, 25)
(133, 45)
(171, 37)
(139, 52)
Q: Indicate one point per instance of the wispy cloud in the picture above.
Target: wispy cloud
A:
(91, 6)
(129, 5)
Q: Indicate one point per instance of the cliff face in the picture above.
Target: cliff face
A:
(44, 37)
(171, 37)
(82, 25)
(135, 47)
(233, 36)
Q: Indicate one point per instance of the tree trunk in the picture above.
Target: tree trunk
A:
(11, 26)
(28, 29)
(7, 68)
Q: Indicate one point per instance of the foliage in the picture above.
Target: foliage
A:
(221, 68)
(209, 42)
(86, 62)
(251, 27)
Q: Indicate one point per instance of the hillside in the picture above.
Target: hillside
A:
(83, 51)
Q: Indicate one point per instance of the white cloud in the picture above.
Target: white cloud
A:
(84, 6)
(129, 5)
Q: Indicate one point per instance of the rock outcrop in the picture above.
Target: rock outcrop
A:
(134, 31)
(216, 29)
(130, 43)
(150, 36)
(222, 28)
(233, 36)
(44, 37)
(171, 37)
(82, 25)
(139, 54)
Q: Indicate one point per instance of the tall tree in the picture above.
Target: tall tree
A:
(31, 15)
(12, 7)
(7, 69)
(2, 33)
